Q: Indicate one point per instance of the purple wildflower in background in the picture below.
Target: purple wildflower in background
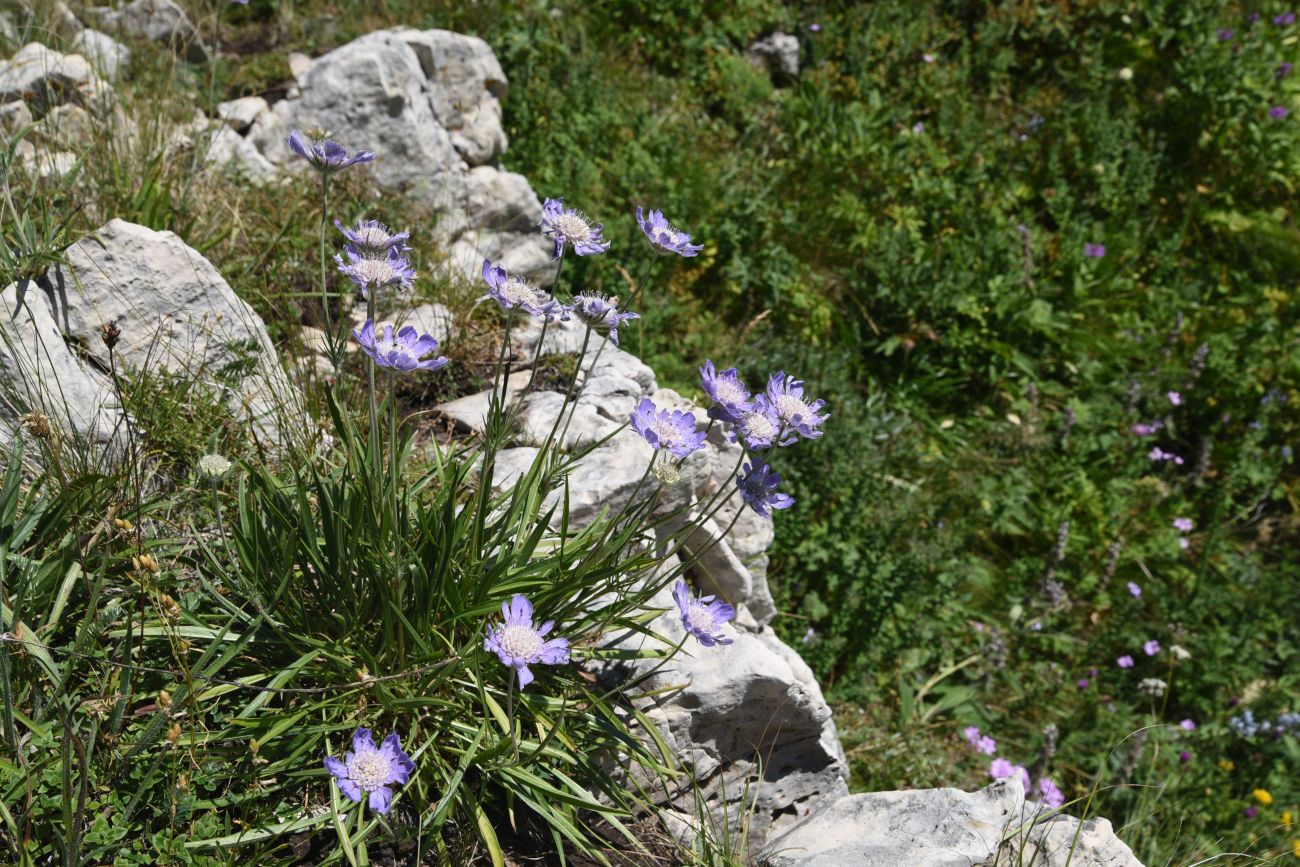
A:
(1183, 524)
(796, 414)
(1051, 796)
(377, 272)
(815, 27)
(758, 488)
(1184, 543)
(1146, 430)
(703, 616)
(1094, 251)
(571, 227)
(759, 427)
(516, 293)
(979, 742)
(367, 769)
(664, 236)
(1001, 769)
(1151, 647)
(519, 644)
(402, 351)
(601, 312)
(1134, 590)
(1284, 19)
(1125, 661)
(372, 238)
(1184, 756)
(1159, 454)
(1083, 683)
(1187, 725)
(1225, 34)
(1278, 112)
(673, 430)
(1250, 812)
(1175, 398)
(918, 127)
(326, 156)
(730, 397)
(927, 57)
(1282, 71)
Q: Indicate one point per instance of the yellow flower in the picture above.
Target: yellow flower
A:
(1286, 819)
(1263, 796)
(1226, 764)
(1295, 848)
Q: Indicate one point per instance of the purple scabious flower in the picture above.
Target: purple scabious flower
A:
(1225, 34)
(1284, 19)
(703, 616)
(1278, 112)
(1050, 795)
(1187, 725)
(730, 397)
(1125, 661)
(1184, 756)
(402, 351)
(367, 769)
(664, 236)
(571, 227)
(516, 293)
(601, 312)
(519, 644)
(1083, 683)
(758, 488)
(979, 742)
(758, 428)
(1159, 454)
(1184, 525)
(795, 413)
(1134, 590)
(326, 156)
(673, 430)
(1145, 430)
(371, 238)
(377, 272)
(1282, 71)
(1094, 251)
(1151, 648)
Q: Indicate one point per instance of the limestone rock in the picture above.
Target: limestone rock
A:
(756, 734)
(177, 313)
(946, 828)
(14, 116)
(240, 113)
(156, 20)
(776, 54)
(38, 371)
(108, 56)
(44, 78)
(228, 148)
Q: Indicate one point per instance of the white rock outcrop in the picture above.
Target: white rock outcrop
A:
(44, 78)
(993, 827)
(156, 20)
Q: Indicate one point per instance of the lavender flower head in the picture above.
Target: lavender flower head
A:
(367, 769)
(1125, 661)
(795, 413)
(1225, 33)
(1050, 796)
(703, 616)
(1184, 525)
(1001, 769)
(664, 236)
(519, 644)
(758, 428)
(731, 399)
(1278, 112)
(1134, 590)
(371, 238)
(376, 272)
(1284, 19)
(758, 488)
(571, 227)
(673, 430)
(979, 742)
(326, 156)
(1142, 429)
(1151, 647)
(1282, 71)
(1094, 251)
(516, 293)
(403, 351)
(600, 311)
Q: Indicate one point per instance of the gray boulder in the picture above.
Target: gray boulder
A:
(108, 56)
(45, 78)
(946, 828)
(176, 313)
(158, 21)
(776, 54)
(40, 372)
(241, 113)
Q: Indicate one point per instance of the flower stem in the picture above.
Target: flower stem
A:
(568, 396)
(541, 341)
(331, 339)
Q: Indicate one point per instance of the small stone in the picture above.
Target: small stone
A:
(241, 113)
(108, 56)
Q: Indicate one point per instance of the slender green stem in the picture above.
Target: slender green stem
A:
(374, 395)
(646, 273)
(568, 395)
(541, 341)
(503, 363)
(574, 408)
(331, 339)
